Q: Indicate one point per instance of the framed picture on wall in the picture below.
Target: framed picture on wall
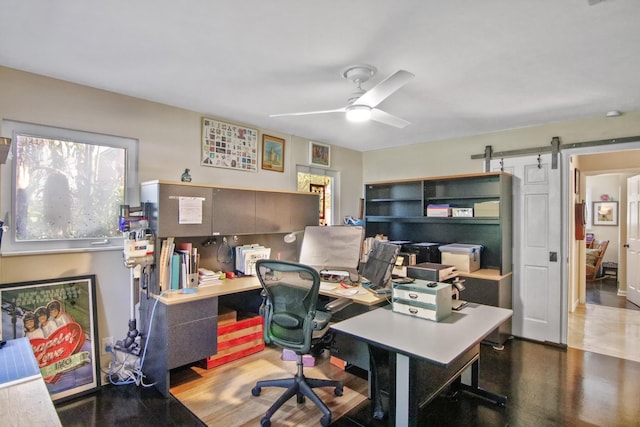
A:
(605, 213)
(272, 153)
(319, 154)
(59, 318)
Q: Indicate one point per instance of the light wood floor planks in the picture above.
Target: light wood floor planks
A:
(222, 396)
(605, 330)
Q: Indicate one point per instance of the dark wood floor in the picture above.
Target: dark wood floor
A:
(545, 385)
(605, 292)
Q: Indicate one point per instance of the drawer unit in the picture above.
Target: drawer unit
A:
(424, 299)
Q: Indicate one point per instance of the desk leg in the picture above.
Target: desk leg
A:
(471, 385)
(404, 404)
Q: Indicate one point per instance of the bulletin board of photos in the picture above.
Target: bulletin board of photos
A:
(225, 145)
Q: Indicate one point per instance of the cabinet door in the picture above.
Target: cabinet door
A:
(305, 210)
(272, 212)
(183, 211)
(234, 211)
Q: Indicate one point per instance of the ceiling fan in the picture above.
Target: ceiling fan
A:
(361, 105)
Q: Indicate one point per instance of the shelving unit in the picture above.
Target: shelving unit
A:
(398, 209)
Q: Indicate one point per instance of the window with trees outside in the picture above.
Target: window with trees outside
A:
(65, 188)
(323, 184)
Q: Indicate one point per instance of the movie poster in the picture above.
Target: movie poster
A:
(58, 317)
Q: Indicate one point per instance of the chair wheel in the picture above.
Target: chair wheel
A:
(265, 422)
(338, 391)
(326, 420)
(256, 391)
(301, 398)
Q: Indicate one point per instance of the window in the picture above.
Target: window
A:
(62, 189)
(324, 183)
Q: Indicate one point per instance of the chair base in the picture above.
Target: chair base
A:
(301, 387)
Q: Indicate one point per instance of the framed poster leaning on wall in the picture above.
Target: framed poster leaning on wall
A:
(59, 318)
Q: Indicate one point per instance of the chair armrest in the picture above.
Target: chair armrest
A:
(338, 304)
(321, 320)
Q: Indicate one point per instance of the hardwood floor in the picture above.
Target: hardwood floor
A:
(606, 324)
(545, 385)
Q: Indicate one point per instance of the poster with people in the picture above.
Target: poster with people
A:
(58, 317)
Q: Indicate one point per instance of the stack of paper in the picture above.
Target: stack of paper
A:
(208, 277)
(247, 255)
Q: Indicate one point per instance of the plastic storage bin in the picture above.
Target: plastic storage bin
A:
(465, 257)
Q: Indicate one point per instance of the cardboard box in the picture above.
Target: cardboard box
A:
(487, 209)
(466, 258)
(237, 340)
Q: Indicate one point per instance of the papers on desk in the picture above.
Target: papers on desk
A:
(350, 292)
(247, 255)
(327, 286)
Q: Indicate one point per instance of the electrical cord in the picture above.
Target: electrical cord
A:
(122, 371)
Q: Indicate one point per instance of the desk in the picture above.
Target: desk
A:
(24, 398)
(451, 346)
(183, 327)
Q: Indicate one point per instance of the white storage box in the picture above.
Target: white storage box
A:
(462, 212)
(466, 258)
(423, 299)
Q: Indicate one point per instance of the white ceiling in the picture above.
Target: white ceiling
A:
(480, 66)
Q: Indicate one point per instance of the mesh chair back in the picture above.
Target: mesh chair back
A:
(291, 296)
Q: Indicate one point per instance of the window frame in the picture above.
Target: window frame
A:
(11, 129)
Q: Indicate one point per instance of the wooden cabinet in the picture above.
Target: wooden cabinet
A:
(398, 209)
(234, 211)
(226, 211)
(180, 334)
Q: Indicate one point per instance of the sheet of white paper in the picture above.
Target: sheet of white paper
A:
(190, 210)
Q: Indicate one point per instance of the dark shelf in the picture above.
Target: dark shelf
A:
(393, 200)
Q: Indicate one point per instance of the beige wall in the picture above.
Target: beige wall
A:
(169, 142)
(453, 156)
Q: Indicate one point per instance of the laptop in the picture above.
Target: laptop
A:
(377, 271)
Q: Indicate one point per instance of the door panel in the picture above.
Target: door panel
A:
(537, 302)
(633, 239)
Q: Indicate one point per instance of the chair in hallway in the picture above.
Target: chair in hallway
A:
(595, 255)
(290, 320)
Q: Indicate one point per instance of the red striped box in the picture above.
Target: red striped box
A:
(237, 340)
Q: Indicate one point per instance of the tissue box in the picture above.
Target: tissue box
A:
(466, 258)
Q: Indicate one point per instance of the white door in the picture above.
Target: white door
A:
(537, 212)
(633, 239)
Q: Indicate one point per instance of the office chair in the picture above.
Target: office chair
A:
(290, 320)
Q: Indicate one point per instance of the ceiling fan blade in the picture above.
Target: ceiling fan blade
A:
(382, 90)
(388, 119)
(338, 110)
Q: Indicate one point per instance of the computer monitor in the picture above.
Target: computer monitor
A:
(379, 266)
(333, 249)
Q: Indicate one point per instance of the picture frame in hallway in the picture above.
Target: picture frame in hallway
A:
(605, 213)
(59, 318)
(272, 153)
(319, 154)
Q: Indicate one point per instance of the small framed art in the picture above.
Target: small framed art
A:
(272, 153)
(319, 154)
(605, 213)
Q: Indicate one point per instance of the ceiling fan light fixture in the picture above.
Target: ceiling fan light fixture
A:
(358, 113)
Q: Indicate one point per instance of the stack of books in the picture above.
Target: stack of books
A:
(442, 211)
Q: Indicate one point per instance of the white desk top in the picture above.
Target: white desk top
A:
(248, 283)
(439, 343)
(24, 398)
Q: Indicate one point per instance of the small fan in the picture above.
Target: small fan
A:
(361, 105)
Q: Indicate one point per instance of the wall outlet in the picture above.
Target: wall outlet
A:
(107, 342)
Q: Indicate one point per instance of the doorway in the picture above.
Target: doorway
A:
(594, 322)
